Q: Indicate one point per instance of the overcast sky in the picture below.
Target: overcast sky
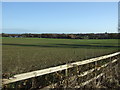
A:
(60, 17)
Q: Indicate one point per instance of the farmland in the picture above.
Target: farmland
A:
(27, 54)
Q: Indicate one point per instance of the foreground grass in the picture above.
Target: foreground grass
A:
(27, 54)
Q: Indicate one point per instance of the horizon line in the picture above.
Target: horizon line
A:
(61, 33)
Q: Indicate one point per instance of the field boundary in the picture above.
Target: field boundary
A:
(37, 73)
(85, 73)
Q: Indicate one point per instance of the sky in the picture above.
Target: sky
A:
(59, 17)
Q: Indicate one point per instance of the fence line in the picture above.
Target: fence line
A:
(86, 73)
(32, 74)
(91, 70)
(87, 82)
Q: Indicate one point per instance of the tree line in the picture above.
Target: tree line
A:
(67, 36)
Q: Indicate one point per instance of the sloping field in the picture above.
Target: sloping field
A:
(27, 54)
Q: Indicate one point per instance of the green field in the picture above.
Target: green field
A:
(27, 54)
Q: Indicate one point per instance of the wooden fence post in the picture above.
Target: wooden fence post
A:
(66, 75)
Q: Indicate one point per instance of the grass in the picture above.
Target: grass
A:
(27, 54)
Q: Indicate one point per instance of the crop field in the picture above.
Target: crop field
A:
(27, 54)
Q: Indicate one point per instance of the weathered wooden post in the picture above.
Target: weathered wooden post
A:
(66, 75)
